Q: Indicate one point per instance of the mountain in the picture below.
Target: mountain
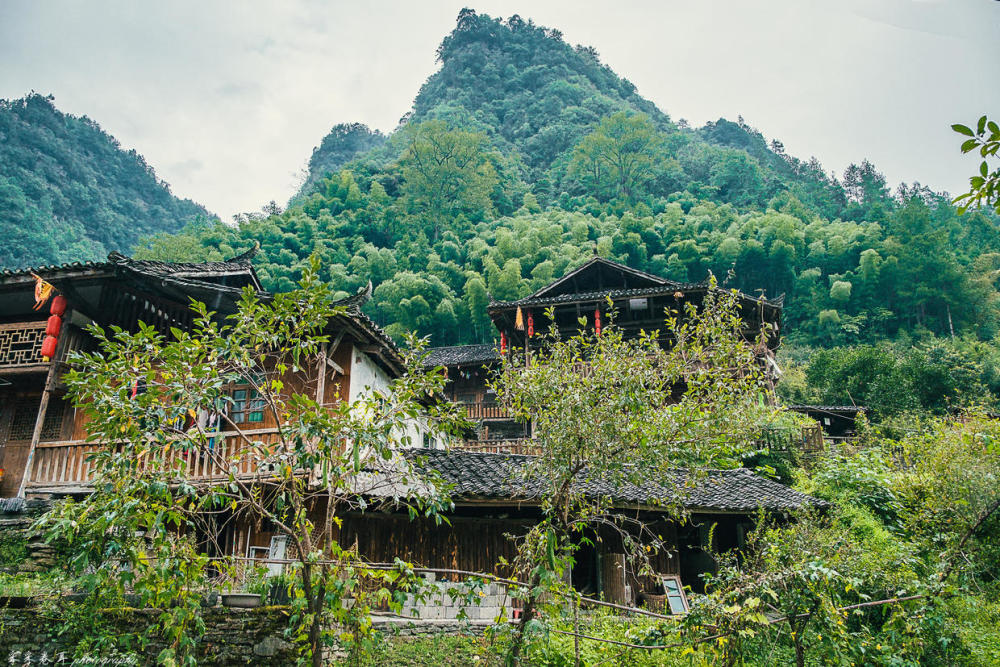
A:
(69, 192)
(523, 154)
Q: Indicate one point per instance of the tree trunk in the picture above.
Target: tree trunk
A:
(527, 614)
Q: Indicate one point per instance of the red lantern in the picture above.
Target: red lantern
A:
(53, 326)
(597, 320)
(58, 306)
(503, 343)
(531, 326)
(49, 347)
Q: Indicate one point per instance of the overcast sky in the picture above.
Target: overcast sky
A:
(226, 100)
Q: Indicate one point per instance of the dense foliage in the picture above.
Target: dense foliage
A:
(522, 154)
(568, 156)
(69, 192)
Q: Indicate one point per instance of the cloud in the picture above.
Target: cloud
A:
(227, 100)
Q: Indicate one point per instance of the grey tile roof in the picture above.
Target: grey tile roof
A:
(477, 475)
(237, 265)
(601, 295)
(460, 355)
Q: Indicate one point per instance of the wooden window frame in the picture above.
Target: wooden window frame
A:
(678, 593)
(252, 404)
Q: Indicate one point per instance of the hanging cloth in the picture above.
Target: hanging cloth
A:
(519, 320)
(43, 291)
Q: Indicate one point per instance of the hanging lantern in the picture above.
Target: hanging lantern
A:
(503, 343)
(531, 325)
(58, 306)
(53, 326)
(49, 347)
(597, 320)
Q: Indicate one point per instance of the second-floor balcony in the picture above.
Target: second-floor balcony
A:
(64, 466)
(485, 410)
(499, 446)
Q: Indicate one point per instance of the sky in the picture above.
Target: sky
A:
(226, 100)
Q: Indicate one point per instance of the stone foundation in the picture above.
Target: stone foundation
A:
(232, 637)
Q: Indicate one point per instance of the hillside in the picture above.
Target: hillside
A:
(522, 154)
(69, 192)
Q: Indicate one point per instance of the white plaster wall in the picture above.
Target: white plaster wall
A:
(367, 376)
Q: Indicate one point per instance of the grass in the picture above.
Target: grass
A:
(446, 650)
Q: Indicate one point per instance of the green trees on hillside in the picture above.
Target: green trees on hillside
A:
(69, 192)
(446, 173)
(523, 154)
(618, 157)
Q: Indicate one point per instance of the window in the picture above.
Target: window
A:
(247, 406)
(676, 600)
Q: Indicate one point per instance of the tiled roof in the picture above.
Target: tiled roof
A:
(459, 355)
(600, 295)
(239, 264)
(54, 268)
(476, 475)
(827, 408)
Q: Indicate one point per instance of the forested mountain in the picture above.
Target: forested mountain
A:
(522, 154)
(69, 192)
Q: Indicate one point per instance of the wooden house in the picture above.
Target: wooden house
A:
(45, 455)
(43, 448)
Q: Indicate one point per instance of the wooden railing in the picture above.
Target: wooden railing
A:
(485, 411)
(67, 463)
(515, 446)
(806, 439)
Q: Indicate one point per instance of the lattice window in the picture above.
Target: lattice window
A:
(21, 344)
(22, 423)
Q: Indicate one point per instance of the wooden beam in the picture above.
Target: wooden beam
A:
(336, 343)
(321, 375)
(334, 365)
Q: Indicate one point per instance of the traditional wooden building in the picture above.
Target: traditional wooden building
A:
(44, 452)
(43, 447)
(594, 293)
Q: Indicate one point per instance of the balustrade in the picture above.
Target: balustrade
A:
(68, 463)
(485, 411)
(515, 446)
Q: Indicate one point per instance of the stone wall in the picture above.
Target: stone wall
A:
(232, 637)
(447, 602)
(15, 529)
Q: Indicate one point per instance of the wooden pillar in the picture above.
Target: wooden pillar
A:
(613, 578)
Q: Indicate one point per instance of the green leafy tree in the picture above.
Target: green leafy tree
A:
(626, 412)
(320, 462)
(446, 172)
(984, 187)
(618, 157)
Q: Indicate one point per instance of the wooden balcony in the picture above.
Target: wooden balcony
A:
(806, 439)
(513, 446)
(477, 411)
(21, 346)
(65, 466)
